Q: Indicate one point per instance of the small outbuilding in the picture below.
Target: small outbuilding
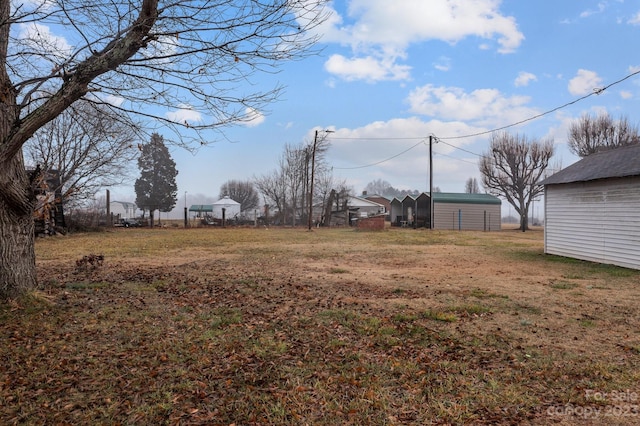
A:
(455, 211)
(592, 209)
(466, 212)
(230, 207)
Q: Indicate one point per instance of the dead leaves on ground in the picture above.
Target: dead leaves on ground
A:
(223, 342)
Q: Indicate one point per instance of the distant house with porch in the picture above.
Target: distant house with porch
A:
(592, 208)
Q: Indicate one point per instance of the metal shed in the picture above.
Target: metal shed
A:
(456, 211)
(466, 212)
(395, 211)
(592, 209)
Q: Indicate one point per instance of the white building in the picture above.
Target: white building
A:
(592, 209)
(123, 209)
(231, 208)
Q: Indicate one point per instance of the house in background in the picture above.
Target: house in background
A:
(386, 202)
(123, 209)
(347, 211)
(363, 207)
(592, 209)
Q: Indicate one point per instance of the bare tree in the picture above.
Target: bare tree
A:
(591, 134)
(512, 169)
(241, 191)
(325, 184)
(88, 148)
(143, 59)
(293, 165)
(384, 188)
(274, 190)
(471, 186)
(288, 187)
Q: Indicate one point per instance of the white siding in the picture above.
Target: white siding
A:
(123, 209)
(467, 216)
(597, 221)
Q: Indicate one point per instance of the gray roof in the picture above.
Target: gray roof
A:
(613, 163)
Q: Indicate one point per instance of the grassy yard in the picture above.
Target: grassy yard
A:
(334, 326)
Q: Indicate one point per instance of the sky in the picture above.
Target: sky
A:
(391, 74)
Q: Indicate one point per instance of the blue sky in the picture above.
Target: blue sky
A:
(392, 73)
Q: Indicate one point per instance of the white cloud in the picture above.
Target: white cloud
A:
(114, 100)
(378, 150)
(524, 78)
(42, 39)
(601, 8)
(161, 50)
(367, 68)
(384, 30)
(635, 19)
(288, 125)
(253, 117)
(584, 82)
(443, 64)
(485, 107)
(399, 24)
(624, 94)
(184, 115)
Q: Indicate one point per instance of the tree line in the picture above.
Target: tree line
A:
(90, 153)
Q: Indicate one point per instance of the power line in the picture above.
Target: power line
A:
(456, 158)
(457, 147)
(596, 91)
(381, 161)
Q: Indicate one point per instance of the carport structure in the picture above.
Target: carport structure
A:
(411, 211)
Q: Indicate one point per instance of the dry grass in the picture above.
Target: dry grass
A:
(286, 326)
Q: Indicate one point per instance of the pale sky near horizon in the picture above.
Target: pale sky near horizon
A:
(390, 74)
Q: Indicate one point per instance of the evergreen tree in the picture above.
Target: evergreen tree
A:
(156, 188)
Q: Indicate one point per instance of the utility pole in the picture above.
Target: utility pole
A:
(186, 214)
(313, 166)
(430, 182)
(313, 170)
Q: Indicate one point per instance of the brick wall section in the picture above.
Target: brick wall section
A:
(374, 223)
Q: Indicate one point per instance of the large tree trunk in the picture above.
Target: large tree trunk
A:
(17, 246)
(17, 251)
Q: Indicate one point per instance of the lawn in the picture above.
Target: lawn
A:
(289, 327)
